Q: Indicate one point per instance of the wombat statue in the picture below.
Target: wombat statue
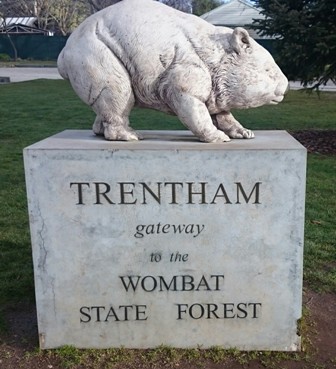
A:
(143, 53)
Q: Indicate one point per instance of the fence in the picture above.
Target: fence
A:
(38, 47)
(41, 47)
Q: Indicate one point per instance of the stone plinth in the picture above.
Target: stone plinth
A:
(167, 241)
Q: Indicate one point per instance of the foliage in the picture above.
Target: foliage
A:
(4, 57)
(203, 6)
(3, 15)
(197, 7)
(27, 8)
(67, 15)
(306, 37)
(60, 16)
(96, 5)
(183, 5)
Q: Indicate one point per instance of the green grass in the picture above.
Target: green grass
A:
(298, 111)
(167, 357)
(320, 225)
(31, 111)
(27, 63)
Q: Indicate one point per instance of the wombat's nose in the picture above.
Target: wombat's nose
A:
(287, 89)
(282, 88)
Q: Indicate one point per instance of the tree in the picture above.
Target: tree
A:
(3, 25)
(203, 6)
(67, 14)
(197, 7)
(183, 5)
(306, 38)
(96, 5)
(28, 8)
(60, 16)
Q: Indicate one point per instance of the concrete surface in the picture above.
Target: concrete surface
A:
(28, 74)
(210, 236)
(331, 87)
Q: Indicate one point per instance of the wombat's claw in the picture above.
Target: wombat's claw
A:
(140, 137)
(248, 133)
(98, 129)
(242, 133)
(220, 136)
(120, 134)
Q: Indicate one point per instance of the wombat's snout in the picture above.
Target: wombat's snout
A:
(282, 87)
(287, 89)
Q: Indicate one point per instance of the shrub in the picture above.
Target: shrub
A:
(4, 58)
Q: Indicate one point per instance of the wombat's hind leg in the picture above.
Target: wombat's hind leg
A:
(122, 133)
(112, 114)
(98, 127)
(228, 124)
(105, 85)
(119, 132)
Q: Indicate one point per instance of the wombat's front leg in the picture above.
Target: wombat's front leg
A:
(194, 114)
(228, 124)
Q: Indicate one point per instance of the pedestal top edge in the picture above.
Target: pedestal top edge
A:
(165, 140)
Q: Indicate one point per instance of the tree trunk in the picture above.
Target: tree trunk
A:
(4, 25)
(13, 46)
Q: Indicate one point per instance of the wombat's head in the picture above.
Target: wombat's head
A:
(252, 76)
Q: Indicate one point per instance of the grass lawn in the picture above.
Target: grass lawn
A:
(28, 63)
(31, 111)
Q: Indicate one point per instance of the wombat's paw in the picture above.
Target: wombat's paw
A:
(98, 128)
(247, 133)
(98, 133)
(241, 133)
(120, 134)
(140, 137)
(218, 136)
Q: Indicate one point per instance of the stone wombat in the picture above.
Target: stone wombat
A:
(143, 53)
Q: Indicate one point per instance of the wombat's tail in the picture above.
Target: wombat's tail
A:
(61, 65)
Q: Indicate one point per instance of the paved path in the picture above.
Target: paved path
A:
(328, 87)
(27, 74)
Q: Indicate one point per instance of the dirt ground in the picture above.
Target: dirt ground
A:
(317, 141)
(19, 345)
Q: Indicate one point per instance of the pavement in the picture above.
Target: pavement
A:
(330, 86)
(27, 74)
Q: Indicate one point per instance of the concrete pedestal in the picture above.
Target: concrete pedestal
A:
(167, 240)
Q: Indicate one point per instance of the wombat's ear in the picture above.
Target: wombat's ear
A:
(240, 40)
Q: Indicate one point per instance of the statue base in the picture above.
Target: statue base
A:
(167, 240)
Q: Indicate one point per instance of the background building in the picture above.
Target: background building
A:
(236, 13)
